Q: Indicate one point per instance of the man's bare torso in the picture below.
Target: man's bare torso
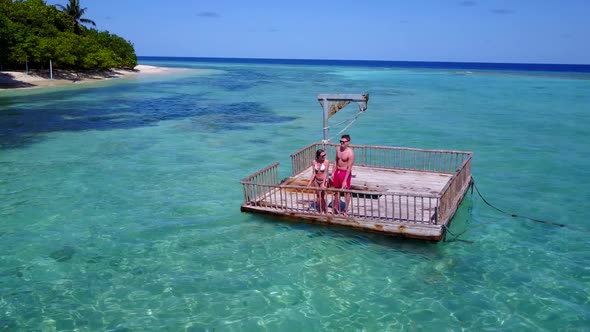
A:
(343, 157)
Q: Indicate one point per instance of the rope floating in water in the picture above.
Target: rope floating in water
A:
(514, 215)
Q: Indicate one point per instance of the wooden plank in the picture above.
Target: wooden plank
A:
(395, 181)
(418, 231)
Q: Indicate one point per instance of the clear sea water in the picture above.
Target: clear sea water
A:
(120, 202)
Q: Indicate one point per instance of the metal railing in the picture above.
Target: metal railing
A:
(263, 189)
(438, 161)
(451, 194)
(261, 183)
(368, 205)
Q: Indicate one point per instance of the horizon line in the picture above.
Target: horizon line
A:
(372, 60)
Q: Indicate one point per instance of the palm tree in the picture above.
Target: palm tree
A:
(74, 11)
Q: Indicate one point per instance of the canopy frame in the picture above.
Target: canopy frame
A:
(332, 103)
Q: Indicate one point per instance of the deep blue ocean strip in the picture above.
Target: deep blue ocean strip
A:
(533, 67)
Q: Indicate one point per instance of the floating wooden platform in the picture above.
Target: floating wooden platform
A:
(398, 191)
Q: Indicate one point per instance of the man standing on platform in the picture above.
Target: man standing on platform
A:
(343, 172)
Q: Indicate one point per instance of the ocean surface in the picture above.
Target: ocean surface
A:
(120, 201)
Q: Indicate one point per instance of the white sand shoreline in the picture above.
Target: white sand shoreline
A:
(10, 80)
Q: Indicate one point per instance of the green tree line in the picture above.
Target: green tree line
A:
(32, 33)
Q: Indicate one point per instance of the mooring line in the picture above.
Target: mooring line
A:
(456, 236)
(514, 215)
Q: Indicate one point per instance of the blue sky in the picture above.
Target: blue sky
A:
(521, 31)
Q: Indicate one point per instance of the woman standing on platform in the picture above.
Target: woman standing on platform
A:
(320, 168)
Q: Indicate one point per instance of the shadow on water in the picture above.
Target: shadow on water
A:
(461, 224)
(239, 79)
(358, 238)
(24, 119)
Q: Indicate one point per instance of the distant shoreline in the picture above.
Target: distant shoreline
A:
(10, 80)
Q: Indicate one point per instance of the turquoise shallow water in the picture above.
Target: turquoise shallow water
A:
(119, 204)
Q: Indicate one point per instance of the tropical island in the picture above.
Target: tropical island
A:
(40, 42)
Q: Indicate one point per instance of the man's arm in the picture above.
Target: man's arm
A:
(335, 166)
(312, 174)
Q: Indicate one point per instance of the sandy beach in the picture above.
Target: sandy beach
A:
(34, 79)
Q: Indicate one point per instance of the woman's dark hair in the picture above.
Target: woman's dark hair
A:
(318, 153)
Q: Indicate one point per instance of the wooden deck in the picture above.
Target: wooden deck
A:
(407, 197)
(392, 180)
(409, 185)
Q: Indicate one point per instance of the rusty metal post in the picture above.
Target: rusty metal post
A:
(326, 128)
